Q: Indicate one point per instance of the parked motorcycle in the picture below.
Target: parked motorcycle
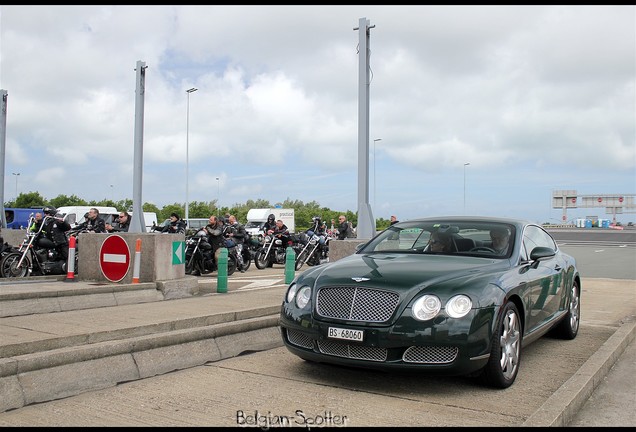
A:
(312, 252)
(246, 255)
(34, 260)
(252, 244)
(199, 258)
(271, 252)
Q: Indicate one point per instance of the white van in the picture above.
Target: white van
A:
(75, 215)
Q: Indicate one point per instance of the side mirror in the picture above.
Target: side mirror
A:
(541, 253)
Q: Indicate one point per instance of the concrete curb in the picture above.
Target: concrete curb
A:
(562, 406)
(74, 297)
(54, 374)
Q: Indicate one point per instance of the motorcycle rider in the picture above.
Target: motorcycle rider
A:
(282, 232)
(238, 234)
(122, 224)
(269, 226)
(215, 235)
(53, 234)
(93, 222)
(37, 223)
(176, 225)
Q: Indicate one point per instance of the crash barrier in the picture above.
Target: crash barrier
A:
(135, 278)
(161, 257)
(290, 265)
(221, 272)
(70, 265)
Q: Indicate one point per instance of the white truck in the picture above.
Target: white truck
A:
(256, 218)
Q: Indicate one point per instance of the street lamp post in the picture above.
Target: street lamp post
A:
(374, 188)
(218, 193)
(16, 185)
(187, 204)
(467, 163)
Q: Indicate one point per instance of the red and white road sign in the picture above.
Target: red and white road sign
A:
(114, 258)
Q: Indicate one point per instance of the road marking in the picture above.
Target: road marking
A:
(263, 283)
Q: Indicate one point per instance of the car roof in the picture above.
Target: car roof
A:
(512, 221)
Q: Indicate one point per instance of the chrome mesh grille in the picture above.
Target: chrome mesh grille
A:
(359, 352)
(430, 354)
(300, 339)
(356, 303)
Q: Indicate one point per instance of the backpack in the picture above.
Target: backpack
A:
(350, 231)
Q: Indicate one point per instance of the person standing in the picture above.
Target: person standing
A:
(343, 227)
(238, 234)
(215, 230)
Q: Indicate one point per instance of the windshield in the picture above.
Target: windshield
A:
(478, 238)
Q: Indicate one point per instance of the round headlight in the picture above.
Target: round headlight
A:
(291, 292)
(426, 307)
(458, 306)
(303, 296)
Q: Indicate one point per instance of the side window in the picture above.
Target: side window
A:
(535, 236)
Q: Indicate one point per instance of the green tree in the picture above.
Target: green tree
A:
(63, 201)
(28, 200)
(167, 210)
(201, 209)
(147, 207)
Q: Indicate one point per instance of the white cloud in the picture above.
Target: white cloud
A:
(535, 98)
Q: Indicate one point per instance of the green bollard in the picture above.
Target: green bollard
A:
(221, 284)
(290, 265)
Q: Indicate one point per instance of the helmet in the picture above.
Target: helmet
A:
(315, 219)
(51, 211)
(271, 217)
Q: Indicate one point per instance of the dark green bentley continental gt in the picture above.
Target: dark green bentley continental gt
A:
(450, 295)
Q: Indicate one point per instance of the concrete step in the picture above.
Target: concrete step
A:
(47, 356)
(47, 294)
(58, 373)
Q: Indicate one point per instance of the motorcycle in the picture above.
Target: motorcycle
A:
(271, 252)
(312, 253)
(199, 258)
(246, 256)
(34, 260)
(252, 245)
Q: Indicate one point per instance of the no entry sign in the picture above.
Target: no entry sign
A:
(114, 258)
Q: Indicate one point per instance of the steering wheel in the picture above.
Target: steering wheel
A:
(482, 248)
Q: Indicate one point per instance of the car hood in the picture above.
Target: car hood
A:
(404, 271)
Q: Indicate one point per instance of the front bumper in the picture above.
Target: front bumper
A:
(443, 345)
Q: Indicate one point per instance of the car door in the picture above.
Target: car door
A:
(544, 279)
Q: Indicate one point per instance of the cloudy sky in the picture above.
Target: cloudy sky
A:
(534, 98)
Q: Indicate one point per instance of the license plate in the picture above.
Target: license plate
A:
(347, 334)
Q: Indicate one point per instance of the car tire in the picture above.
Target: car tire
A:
(568, 328)
(505, 350)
